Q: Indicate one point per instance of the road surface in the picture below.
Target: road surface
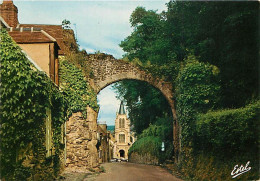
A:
(134, 172)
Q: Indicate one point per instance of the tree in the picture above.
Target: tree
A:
(223, 34)
(66, 24)
(145, 104)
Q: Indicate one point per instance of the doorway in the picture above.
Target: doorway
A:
(122, 153)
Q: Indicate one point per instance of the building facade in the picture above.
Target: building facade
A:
(42, 44)
(123, 136)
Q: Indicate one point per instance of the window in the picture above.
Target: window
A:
(121, 123)
(121, 138)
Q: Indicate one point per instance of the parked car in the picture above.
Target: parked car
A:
(114, 160)
(124, 160)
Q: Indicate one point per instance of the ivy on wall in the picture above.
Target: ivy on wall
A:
(26, 94)
(77, 90)
(197, 91)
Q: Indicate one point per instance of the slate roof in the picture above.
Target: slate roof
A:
(121, 109)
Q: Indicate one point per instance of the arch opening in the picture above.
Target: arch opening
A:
(131, 139)
(122, 153)
(107, 70)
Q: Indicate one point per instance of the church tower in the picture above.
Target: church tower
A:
(122, 134)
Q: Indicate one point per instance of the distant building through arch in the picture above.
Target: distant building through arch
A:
(123, 134)
(106, 70)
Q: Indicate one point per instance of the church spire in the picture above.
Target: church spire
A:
(121, 109)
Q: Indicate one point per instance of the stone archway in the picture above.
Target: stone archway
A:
(105, 70)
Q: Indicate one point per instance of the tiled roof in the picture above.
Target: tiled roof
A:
(54, 30)
(29, 37)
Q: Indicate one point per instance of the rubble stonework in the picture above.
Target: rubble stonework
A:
(81, 135)
(107, 70)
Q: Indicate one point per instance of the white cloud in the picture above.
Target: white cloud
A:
(109, 105)
(101, 25)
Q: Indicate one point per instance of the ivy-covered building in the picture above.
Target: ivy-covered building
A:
(33, 110)
(42, 90)
(42, 43)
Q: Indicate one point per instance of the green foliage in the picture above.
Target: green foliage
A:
(74, 71)
(161, 128)
(197, 92)
(208, 167)
(66, 24)
(149, 144)
(154, 135)
(152, 145)
(148, 41)
(224, 139)
(77, 91)
(25, 96)
(232, 131)
(156, 131)
(198, 85)
(145, 103)
(223, 34)
(223, 37)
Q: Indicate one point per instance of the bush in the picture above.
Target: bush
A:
(151, 145)
(197, 91)
(145, 145)
(229, 132)
(224, 139)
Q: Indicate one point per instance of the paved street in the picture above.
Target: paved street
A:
(134, 172)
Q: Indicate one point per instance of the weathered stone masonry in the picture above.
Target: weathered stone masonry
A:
(107, 70)
(81, 137)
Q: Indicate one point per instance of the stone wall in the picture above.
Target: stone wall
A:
(81, 135)
(144, 159)
(107, 70)
(103, 143)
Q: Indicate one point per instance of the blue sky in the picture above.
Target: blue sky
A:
(100, 25)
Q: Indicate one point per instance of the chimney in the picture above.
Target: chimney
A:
(9, 12)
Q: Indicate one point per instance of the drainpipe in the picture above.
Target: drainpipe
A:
(65, 142)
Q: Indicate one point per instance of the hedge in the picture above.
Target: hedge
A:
(229, 131)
